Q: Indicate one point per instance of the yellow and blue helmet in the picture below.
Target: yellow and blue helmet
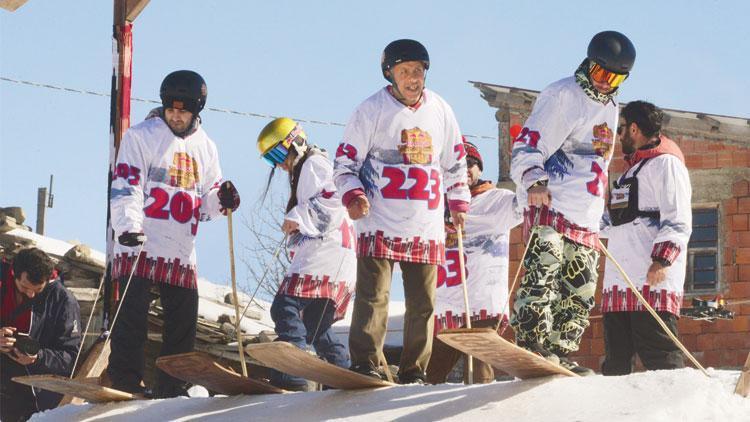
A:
(277, 138)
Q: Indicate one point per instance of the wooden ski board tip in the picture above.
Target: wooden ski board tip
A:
(87, 390)
(292, 360)
(200, 368)
(486, 345)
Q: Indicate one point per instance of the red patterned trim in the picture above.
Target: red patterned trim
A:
(308, 286)
(407, 250)
(157, 269)
(618, 300)
(668, 251)
(545, 217)
(450, 320)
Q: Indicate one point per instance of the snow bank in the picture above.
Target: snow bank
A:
(674, 396)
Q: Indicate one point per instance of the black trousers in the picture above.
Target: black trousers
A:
(126, 361)
(628, 333)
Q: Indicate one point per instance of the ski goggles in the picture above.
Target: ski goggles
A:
(602, 75)
(279, 152)
(276, 155)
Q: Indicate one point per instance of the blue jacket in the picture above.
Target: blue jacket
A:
(56, 325)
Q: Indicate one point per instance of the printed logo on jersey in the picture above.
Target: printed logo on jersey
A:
(603, 140)
(416, 146)
(451, 238)
(183, 173)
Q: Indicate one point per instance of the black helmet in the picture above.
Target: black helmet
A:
(613, 51)
(184, 89)
(403, 51)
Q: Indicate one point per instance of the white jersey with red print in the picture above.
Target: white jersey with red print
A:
(663, 186)
(492, 214)
(569, 140)
(163, 186)
(324, 264)
(403, 158)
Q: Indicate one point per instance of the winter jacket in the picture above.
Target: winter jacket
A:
(56, 325)
(163, 186)
(492, 214)
(324, 264)
(663, 187)
(568, 140)
(404, 159)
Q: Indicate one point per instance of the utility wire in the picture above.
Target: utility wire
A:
(218, 110)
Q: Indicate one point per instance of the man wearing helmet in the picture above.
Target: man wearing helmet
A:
(401, 150)
(167, 179)
(319, 282)
(559, 164)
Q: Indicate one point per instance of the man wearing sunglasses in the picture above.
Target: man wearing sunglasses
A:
(492, 214)
(401, 151)
(650, 225)
(167, 180)
(559, 164)
(39, 332)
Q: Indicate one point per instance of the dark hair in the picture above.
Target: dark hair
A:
(647, 116)
(35, 263)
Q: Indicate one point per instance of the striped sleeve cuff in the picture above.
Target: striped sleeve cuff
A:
(665, 252)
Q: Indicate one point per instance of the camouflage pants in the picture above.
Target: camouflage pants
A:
(555, 297)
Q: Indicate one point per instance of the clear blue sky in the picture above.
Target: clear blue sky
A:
(318, 60)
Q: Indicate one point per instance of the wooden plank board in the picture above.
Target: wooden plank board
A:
(486, 345)
(96, 362)
(292, 360)
(201, 369)
(87, 390)
(11, 5)
(743, 384)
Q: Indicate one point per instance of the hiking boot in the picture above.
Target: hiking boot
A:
(367, 370)
(575, 368)
(411, 378)
(538, 348)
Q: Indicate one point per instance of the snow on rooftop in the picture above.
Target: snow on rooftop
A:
(675, 396)
(53, 246)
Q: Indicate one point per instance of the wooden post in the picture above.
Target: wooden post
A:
(41, 210)
(462, 271)
(237, 319)
(743, 384)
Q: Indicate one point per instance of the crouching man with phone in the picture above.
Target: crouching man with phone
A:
(40, 332)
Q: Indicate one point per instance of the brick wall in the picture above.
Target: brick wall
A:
(716, 344)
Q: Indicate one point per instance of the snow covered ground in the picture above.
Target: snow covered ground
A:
(674, 396)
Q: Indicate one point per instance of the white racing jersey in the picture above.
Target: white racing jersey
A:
(663, 186)
(163, 186)
(569, 140)
(324, 263)
(492, 214)
(403, 158)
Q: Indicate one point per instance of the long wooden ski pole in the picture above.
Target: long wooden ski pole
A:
(461, 269)
(237, 327)
(651, 310)
(513, 285)
(743, 383)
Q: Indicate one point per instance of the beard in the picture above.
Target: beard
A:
(628, 146)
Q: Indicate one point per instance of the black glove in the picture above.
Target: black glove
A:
(131, 239)
(229, 198)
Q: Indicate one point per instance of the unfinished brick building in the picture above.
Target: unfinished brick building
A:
(717, 153)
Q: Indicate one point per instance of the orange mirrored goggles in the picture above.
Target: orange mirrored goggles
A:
(602, 75)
